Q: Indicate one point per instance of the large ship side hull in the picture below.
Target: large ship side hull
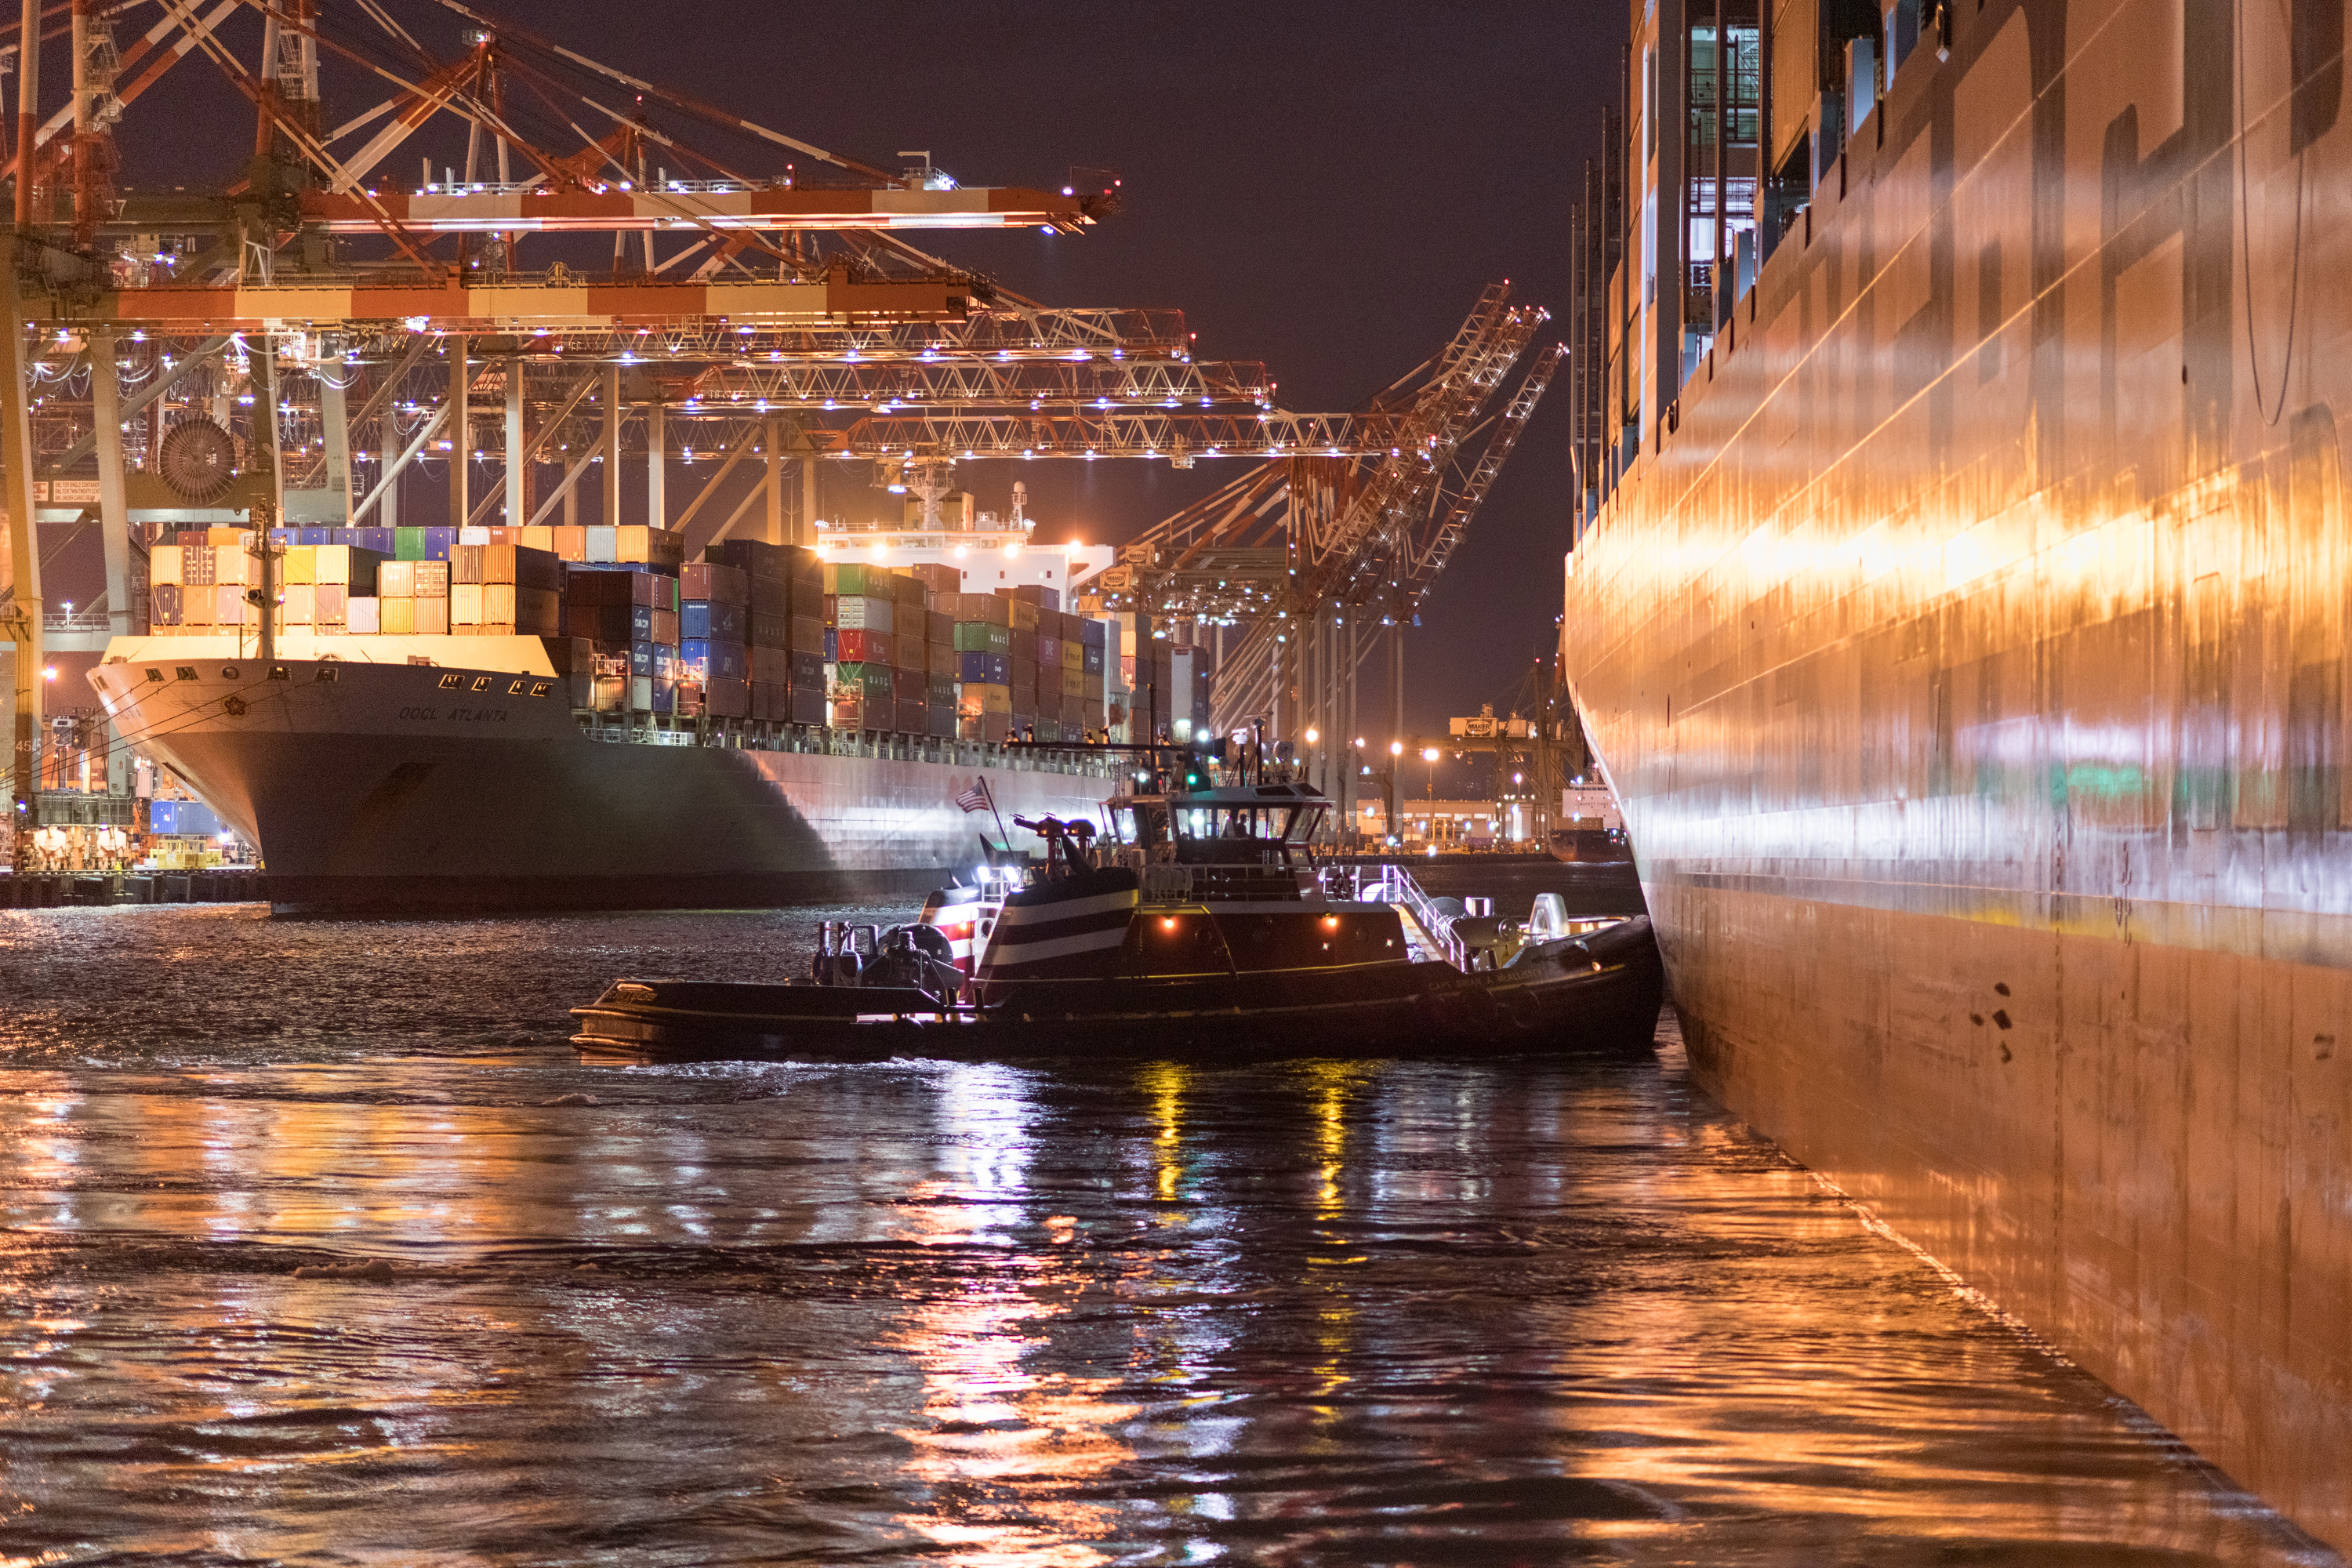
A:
(1969, 657)
(379, 788)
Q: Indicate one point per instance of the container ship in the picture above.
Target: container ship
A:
(551, 718)
(1959, 612)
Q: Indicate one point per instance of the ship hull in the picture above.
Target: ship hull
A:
(381, 789)
(1969, 657)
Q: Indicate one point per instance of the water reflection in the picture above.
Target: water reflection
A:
(1300, 1313)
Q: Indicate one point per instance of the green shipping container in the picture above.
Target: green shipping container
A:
(864, 577)
(408, 544)
(979, 636)
(874, 679)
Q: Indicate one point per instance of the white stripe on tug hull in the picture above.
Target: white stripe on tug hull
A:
(1061, 937)
(1125, 901)
(1003, 955)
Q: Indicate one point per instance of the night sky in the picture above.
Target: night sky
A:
(1322, 187)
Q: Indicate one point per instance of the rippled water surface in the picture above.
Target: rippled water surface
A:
(319, 1247)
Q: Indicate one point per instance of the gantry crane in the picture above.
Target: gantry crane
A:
(774, 317)
(1296, 559)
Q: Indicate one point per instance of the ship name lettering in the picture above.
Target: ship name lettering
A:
(420, 713)
(478, 715)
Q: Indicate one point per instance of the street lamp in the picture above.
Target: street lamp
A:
(1429, 755)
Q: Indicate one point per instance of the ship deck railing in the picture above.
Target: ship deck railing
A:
(1435, 926)
(641, 729)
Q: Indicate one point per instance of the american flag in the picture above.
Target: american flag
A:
(976, 798)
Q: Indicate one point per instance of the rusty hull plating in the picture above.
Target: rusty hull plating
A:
(1970, 656)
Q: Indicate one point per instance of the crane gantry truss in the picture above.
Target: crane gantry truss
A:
(759, 299)
(1310, 548)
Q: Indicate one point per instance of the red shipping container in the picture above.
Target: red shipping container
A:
(714, 581)
(728, 697)
(865, 648)
(937, 577)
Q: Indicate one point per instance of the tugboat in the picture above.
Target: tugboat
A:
(1197, 923)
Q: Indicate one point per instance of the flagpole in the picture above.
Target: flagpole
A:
(1001, 836)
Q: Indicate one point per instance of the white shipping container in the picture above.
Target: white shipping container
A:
(465, 604)
(333, 562)
(863, 613)
(473, 536)
(604, 544)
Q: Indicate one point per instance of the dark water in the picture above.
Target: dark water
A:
(1323, 1312)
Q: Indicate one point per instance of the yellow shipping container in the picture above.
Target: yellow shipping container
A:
(334, 564)
(163, 563)
(299, 564)
(397, 618)
(498, 603)
(537, 536)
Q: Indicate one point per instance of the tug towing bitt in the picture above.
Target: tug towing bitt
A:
(1201, 926)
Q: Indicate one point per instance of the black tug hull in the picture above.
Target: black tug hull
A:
(1598, 995)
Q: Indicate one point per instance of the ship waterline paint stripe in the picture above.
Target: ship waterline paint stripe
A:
(2299, 936)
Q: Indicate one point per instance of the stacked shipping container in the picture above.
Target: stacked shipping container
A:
(753, 631)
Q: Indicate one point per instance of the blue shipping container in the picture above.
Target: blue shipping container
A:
(832, 646)
(181, 818)
(704, 658)
(978, 668)
(316, 536)
(641, 657)
(376, 538)
(437, 541)
(710, 620)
